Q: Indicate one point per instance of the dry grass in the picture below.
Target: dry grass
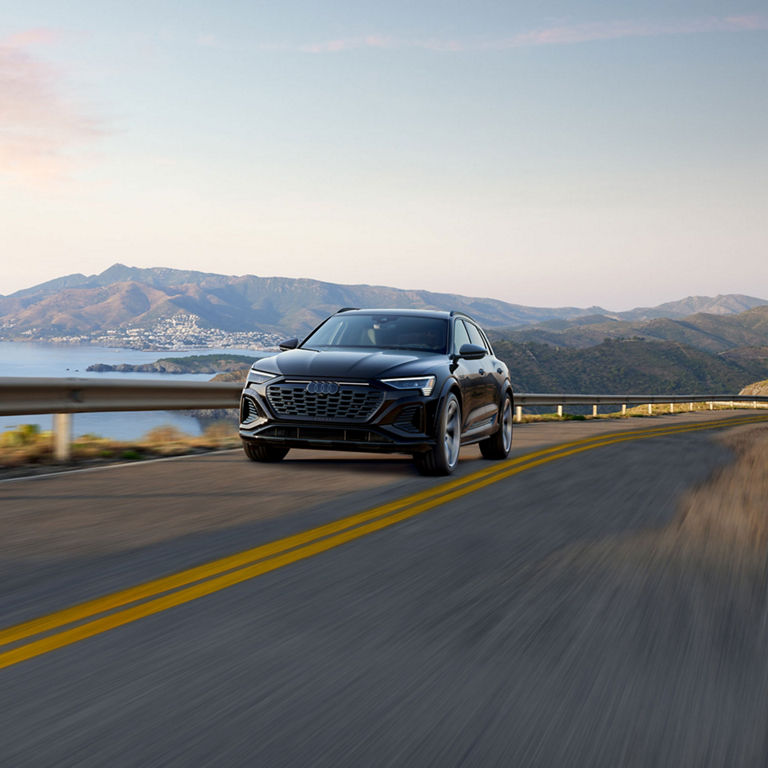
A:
(726, 519)
(721, 525)
(758, 388)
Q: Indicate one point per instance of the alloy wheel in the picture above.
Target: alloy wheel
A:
(506, 425)
(452, 433)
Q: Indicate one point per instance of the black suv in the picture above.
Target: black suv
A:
(387, 380)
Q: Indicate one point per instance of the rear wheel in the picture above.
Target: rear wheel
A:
(264, 451)
(443, 458)
(498, 445)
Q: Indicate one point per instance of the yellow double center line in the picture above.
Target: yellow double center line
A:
(93, 617)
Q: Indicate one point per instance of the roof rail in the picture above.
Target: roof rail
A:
(346, 309)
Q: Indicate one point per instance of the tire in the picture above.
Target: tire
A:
(264, 451)
(443, 458)
(498, 445)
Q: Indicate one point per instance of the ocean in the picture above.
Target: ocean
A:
(31, 359)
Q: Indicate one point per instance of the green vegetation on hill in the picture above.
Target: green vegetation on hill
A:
(615, 366)
(237, 374)
(190, 364)
(624, 367)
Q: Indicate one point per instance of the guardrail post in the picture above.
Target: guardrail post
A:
(650, 409)
(623, 409)
(754, 403)
(62, 436)
(732, 406)
(711, 406)
(671, 407)
(518, 413)
(594, 411)
(690, 407)
(560, 411)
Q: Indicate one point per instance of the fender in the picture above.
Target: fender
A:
(449, 384)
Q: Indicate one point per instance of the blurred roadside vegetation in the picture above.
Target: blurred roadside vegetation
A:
(27, 445)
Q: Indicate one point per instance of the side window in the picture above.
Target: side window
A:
(487, 341)
(475, 337)
(460, 336)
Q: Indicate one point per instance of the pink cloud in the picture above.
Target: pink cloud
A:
(28, 37)
(566, 34)
(38, 124)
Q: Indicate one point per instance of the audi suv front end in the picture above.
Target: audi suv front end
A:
(385, 380)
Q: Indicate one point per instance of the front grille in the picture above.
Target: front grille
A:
(348, 404)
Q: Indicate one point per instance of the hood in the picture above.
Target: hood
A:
(354, 364)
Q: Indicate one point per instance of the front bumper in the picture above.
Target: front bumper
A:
(389, 421)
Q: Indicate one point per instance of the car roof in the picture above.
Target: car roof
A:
(437, 313)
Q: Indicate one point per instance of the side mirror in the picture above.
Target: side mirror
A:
(472, 351)
(289, 344)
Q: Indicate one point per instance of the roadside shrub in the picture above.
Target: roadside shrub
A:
(166, 439)
(165, 434)
(24, 444)
(220, 434)
(24, 434)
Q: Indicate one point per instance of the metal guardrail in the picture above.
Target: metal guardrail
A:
(560, 400)
(31, 396)
(63, 397)
(531, 400)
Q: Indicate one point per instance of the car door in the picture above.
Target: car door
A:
(469, 376)
(486, 406)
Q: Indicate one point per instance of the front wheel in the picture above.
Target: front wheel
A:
(264, 451)
(443, 458)
(498, 445)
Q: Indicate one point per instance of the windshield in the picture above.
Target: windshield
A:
(428, 334)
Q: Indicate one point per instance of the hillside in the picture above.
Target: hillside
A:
(188, 364)
(624, 367)
(758, 388)
(127, 296)
(122, 298)
(728, 304)
(615, 366)
(714, 333)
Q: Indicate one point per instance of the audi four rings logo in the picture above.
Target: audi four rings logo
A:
(322, 388)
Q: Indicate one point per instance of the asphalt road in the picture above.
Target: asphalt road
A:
(520, 615)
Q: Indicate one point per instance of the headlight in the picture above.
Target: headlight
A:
(424, 383)
(255, 376)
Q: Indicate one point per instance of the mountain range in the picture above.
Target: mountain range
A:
(698, 344)
(122, 297)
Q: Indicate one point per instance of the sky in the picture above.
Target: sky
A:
(543, 153)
